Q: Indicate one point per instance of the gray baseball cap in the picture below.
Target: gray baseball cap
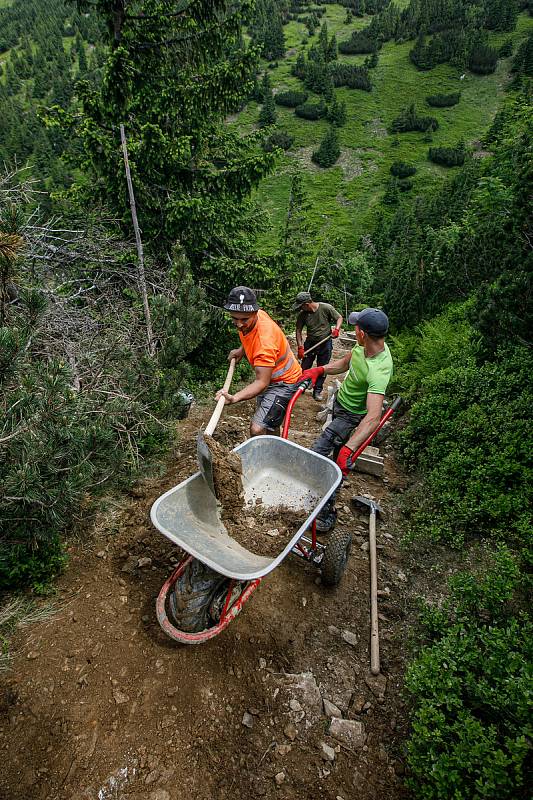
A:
(301, 299)
(370, 320)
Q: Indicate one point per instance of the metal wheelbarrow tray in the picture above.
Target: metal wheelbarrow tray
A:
(211, 584)
(275, 471)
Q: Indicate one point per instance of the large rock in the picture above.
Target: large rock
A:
(350, 732)
(303, 688)
(377, 685)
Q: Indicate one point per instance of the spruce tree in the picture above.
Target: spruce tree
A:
(171, 78)
(329, 150)
(267, 115)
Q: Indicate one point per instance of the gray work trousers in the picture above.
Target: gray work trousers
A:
(331, 440)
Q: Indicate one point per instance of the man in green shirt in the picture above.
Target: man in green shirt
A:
(318, 319)
(359, 401)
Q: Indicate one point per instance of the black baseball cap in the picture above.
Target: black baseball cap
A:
(370, 320)
(301, 299)
(241, 299)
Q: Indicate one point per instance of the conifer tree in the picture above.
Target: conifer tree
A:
(171, 78)
(267, 115)
(329, 150)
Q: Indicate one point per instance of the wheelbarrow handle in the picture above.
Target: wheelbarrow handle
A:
(386, 416)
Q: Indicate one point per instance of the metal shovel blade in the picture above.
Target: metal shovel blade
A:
(205, 461)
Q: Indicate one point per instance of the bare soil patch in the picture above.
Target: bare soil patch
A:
(100, 704)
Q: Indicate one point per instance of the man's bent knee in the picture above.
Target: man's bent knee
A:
(257, 430)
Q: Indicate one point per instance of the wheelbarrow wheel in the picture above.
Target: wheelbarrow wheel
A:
(336, 557)
(192, 595)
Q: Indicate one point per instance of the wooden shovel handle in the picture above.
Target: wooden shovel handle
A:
(215, 416)
(374, 625)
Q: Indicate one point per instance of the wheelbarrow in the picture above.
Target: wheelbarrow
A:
(217, 576)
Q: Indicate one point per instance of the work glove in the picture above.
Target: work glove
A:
(344, 460)
(301, 352)
(334, 333)
(313, 374)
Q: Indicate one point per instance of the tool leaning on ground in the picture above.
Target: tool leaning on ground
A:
(203, 454)
(374, 509)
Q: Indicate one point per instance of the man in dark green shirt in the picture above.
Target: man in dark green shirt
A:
(318, 319)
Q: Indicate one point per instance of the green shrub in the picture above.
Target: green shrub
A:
(469, 437)
(400, 169)
(350, 75)
(359, 42)
(290, 99)
(311, 111)
(329, 150)
(443, 100)
(280, 139)
(470, 686)
(448, 156)
(408, 120)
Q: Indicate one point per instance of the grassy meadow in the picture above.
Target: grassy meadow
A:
(345, 197)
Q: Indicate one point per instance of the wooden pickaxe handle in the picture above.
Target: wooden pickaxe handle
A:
(317, 344)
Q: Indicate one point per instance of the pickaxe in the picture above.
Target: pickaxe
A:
(373, 508)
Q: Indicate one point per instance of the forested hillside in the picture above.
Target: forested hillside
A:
(382, 150)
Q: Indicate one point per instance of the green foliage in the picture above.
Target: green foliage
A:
(468, 436)
(443, 100)
(448, 156)
(267, 115)
(336, 113)
(359, 42)
(312, 111)
(329, 150)
(351, 76)
(278, 139)
(290, 99)
(402, 170)
(409, 120)
(192, 176)
(470, 685)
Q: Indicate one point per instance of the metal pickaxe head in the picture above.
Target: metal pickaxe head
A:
(368, 505)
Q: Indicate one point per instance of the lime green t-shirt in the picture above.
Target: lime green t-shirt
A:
(365, 375)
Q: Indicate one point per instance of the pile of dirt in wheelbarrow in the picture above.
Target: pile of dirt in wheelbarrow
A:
(264, 531)
(227, 478)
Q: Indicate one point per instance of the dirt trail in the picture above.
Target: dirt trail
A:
(101, 704)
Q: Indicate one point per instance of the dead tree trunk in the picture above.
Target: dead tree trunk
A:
(140, 267)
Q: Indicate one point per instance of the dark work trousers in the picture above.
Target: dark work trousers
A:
(331, 440)
(322, 355)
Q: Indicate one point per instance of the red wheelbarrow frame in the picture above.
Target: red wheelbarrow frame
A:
(308, 548)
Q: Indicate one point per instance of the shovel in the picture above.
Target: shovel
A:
(203, 454)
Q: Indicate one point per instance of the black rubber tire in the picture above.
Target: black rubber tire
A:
(192, 595)
(336, 557)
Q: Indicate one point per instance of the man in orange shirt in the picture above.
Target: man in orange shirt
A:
(277, 372)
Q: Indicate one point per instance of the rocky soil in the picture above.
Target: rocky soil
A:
(100, 704)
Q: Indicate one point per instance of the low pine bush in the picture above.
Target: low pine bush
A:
(290, 99)
(351, 76)
(448, 156)
(280, 139)
(408, 120)
(470, 684)
(329, 150)
(400, 169)
(311, 111)
(443, 100)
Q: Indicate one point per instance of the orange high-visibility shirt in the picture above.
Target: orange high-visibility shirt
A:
(266, 346)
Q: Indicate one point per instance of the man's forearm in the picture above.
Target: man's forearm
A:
(250, 391)
(338, 323)
(335, 367)
(299, 337)
(367, 426)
